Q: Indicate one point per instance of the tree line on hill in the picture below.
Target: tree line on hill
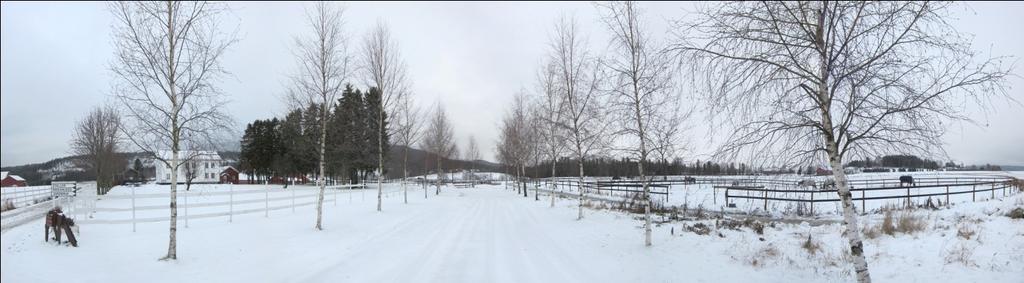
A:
(896, 161)
(626, 168)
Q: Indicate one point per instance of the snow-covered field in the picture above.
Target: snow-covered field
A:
(488, 234)
(463, 175)
(706, 197)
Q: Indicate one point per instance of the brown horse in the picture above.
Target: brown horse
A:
(55, 219)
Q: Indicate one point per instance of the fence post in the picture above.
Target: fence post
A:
(974, 189)
(133, 209)
(863, 206)
(231, 202)
(186, 208)
(266, 202)
(947, 196)
(726, 197)
(812, 203)
(993, 190)
(908, 197)
(766, 201)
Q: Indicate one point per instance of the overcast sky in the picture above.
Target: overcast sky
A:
(470, 57)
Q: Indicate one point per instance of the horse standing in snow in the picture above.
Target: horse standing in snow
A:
(55, 219)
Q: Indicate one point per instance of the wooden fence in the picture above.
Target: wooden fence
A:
(789, 190)
(887, 192)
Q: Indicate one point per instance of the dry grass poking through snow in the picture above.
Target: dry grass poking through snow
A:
(905, 221)
(963, 253)
(811, 246)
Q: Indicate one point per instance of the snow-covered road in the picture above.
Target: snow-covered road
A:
(483, 235)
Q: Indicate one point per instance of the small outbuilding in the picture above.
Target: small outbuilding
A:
(228, 175)
(8, 180)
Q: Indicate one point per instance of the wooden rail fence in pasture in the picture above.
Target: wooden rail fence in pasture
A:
(861, 192)
(765, 190)
(610, 188)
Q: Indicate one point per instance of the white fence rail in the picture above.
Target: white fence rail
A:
(225, 201)
(24, 196)
(73, 197)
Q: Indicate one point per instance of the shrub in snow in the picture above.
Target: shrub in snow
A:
(906, 222)
(811, 246)
(1016, 213)
(965, 232)
(909, 223)
(698, 228)
(962, 253)
(754, 225)
(764, 255)
(8, 205)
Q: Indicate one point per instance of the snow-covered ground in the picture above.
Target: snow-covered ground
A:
(488, 234)
(463, 175)
(706, 197)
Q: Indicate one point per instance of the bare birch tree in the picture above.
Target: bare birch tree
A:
(323, 68)
(439, 139)
(513, 140)
(384, 69)
(97, 138)
(534, 140)
(809, 81)
(472, 154)
(472, 150)
(166, 63)
(409, 130)
(549, 111)
(578, 78)
(643, 98)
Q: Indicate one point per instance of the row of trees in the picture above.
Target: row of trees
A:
(790, 82)
(167, 65)
(624, 102)
(901, 161)
(627, 168)
(285, 148)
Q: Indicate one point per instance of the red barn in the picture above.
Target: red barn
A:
(8, 180)
(229, 175)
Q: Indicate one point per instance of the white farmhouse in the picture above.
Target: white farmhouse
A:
(205, 167)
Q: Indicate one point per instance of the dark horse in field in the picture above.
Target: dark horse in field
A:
(906, 179)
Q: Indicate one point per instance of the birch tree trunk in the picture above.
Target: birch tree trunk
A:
(322, 180)
(552, 188)
(172, 245)
(405, 174)
(850, 221)
(380, 158)
(580, 163)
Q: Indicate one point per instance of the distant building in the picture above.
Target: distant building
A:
(9, 180)
(228, 175)
(205, 166)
